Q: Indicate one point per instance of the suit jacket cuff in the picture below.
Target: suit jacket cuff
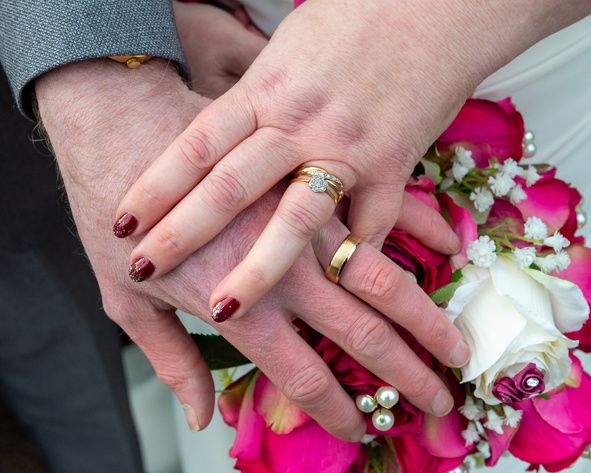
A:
(39, 35)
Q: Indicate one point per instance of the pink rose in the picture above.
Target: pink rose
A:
(554, 201)
(274, 436)
(463, 224)
(579, 272)
(432, 269)
(357, 380)
(488, 129)
(525, 384)
(561, 426)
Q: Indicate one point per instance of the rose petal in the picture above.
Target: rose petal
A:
(230, 401)
(464, 226)
(436, 429)
(280, 414)
(499, 444)
(569, 306)
(250, 428)
(307, 449)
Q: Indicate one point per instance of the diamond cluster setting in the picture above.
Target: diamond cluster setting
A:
(318, 182)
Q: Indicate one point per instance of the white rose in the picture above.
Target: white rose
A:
(513, 316)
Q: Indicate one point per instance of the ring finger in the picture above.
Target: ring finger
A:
(301, 213)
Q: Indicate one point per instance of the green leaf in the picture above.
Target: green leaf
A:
(463, 200)
(545, 396)
(218, 353)
(432, 170)
(445, 293)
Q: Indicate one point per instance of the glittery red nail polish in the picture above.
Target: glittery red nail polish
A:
(225, 309)
(141, 269)
(125, 226)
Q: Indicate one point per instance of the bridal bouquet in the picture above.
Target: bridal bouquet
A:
(519, 292)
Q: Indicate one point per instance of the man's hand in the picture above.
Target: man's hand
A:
(107, 124)
(219, 48)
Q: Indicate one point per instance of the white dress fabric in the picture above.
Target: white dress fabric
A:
(551, 86)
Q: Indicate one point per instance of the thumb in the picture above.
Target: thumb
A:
(173, 354)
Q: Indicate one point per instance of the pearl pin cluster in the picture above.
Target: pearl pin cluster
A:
(380, 404)
(529, 145)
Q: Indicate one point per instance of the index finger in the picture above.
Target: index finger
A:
(218, 129)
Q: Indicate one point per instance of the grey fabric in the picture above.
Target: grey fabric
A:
(39, 35)
(60, 361)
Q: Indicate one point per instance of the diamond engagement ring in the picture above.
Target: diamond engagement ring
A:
(320, 182)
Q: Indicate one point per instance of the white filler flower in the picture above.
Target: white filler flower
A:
(531, 176)
(501, 184)
(517, 194)
(462, 163)
(482, 198)
(511, 168)
(557, 241)
(525, 256)
(511, 317)
(535, 229)
(482, 252)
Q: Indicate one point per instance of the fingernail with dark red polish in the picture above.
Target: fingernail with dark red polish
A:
(141, 269)
(125, 226)
(225, 309)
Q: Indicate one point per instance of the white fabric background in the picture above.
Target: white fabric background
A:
(551, 86)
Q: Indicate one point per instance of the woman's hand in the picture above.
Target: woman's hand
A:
(219, 48)
(358, 88)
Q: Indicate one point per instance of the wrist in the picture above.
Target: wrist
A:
(107, 123)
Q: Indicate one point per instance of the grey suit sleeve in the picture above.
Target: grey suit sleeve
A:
(39, 35)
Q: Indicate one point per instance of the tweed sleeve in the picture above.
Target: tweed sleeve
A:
(39, 35)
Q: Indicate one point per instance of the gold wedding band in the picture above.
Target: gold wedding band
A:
(320, 181)
(341, 257)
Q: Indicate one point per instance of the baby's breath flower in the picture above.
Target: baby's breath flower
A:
(531, 176)
(557, 241)
(482, 252)
(484, 449)
(462, 163)
(525, 256)
(471, 435)
(512, 416)
(511, 168)
(517, 194)
(562, 260)
(472, 410)
(547, 263)
(463, 156)
(501, 184)
(535, 229)
(482, 198)
(494, 422)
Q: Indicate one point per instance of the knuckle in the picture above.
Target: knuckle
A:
(115, 312)
(195, 151)
(367, 336)
(149, 198)
(174, 381)
(307, 387)
(419, 388)
(224, 192)
(380, 281)
(168, 241)
(299, 220)
(258, 282)
(439, 333)
(116, 305)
